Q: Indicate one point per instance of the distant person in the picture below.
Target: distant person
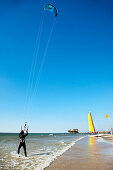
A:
(22, 141)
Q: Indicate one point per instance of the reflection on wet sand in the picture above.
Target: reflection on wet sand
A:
(92, 141)
(93, 150)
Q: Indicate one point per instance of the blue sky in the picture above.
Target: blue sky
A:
(77, 75)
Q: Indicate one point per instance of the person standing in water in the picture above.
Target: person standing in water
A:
(22, 141)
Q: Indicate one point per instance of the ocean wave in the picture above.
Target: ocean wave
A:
(40, 154)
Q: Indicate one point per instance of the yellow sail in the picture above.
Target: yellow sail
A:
(91, 125)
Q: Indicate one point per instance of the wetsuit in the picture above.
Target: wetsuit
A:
(22, 142)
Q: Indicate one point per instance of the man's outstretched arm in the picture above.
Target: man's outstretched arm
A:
(26, 133)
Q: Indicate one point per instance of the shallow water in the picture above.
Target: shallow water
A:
(41, 149)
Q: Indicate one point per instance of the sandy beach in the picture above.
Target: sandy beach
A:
(90, 153)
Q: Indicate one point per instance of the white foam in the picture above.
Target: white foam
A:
(39, 159)
(100, 140)
(104, 141)
(55, 155)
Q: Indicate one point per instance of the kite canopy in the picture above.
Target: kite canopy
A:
(51, 8)
(107, 116)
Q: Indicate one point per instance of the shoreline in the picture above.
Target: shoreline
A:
(89, 153)
(109, 138)
(63, 152)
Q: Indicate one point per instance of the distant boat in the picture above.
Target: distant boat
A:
(91, 124)
(51, 134)
(73, 131)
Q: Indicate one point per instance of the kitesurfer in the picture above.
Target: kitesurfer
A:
(22, 141)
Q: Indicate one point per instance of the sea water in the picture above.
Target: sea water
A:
(42, 149)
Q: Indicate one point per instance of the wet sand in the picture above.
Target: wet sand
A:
(90, 153)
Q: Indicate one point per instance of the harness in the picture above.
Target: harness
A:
(22, 138)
